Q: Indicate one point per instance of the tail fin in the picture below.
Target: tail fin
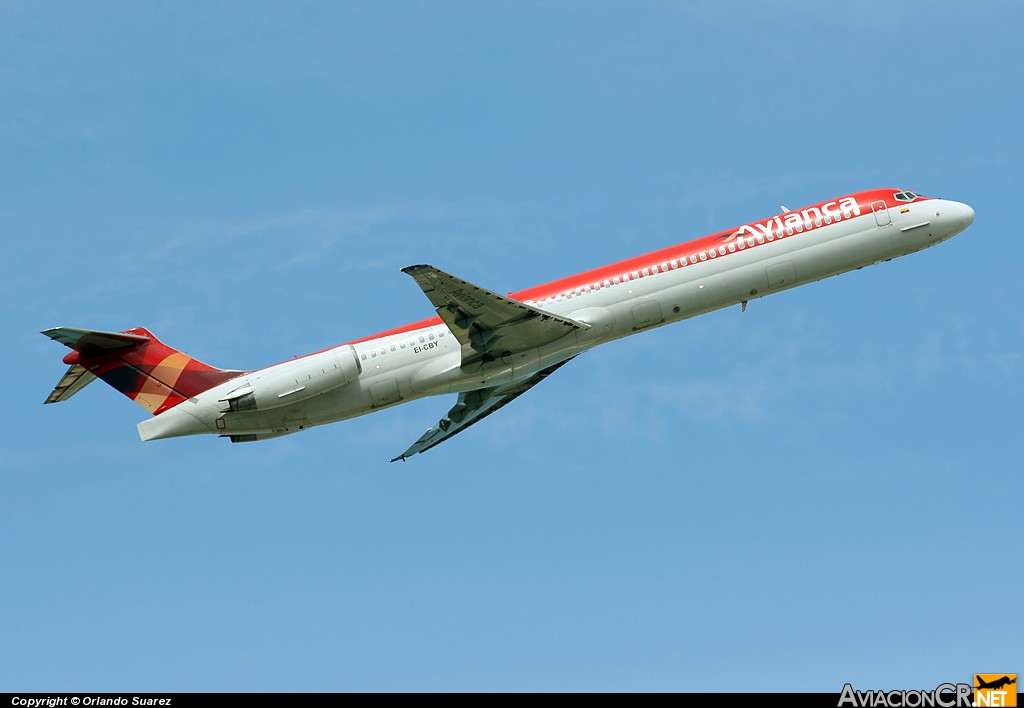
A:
(134, 362)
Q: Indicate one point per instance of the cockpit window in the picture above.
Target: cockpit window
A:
(906, 196)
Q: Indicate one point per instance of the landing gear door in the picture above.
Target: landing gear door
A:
(881, 213)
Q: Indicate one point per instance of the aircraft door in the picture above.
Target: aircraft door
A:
(882, 217)
(780, 275)
(385, 393)
(647, 314)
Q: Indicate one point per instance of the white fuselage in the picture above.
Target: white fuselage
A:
(677, 283)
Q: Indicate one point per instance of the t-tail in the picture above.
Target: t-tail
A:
(136, 363)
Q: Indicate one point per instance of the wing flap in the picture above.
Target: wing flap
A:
(472, 407)
(488, 324)
(76, 378)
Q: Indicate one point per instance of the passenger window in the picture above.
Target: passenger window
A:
(430, 337)
(393, 348)
(693, 259)
(703, 255)
(721, 250)
(760, 239)
(422, 340)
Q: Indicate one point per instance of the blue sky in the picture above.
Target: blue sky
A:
(819, 490)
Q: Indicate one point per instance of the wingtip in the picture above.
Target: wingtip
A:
(413, 268)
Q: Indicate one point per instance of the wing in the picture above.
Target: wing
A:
(488, 325)
(473, 406)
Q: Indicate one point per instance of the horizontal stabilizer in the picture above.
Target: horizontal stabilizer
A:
(76, 378)
(91, 342)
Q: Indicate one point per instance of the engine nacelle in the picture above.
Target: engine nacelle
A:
(296, 380)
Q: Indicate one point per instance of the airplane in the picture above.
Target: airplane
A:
(996, 683)
(487, 348)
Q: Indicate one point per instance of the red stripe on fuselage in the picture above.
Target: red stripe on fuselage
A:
(678, 253)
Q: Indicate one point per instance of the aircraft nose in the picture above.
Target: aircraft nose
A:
(965, 214)
(957, 215)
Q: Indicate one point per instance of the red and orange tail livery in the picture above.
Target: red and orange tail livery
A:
(136, 363)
